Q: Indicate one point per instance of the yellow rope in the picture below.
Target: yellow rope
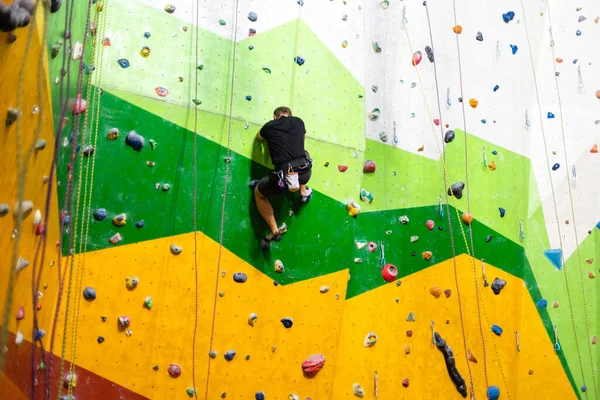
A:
(455, 205)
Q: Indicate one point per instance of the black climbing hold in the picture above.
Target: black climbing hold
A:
(259, 396)
(140, 223)
(135, 140)
(123, 62)
(229, 355)
(275, 283)
(449, 136)
(414, 253)
(103, 319)
(502, 212)
(240, 277)
(55, 5)
(4, 209)
(147, 35)
(456, 190)
(88, 150)
(498, 285)
(100, 214)
(287, 322)
(155, 368)
(11, 116)
(460, 99)
(455, 376)
(429, 52)
(479, 36)
(440, 228)
(100, 339)
(15, 16)
(488, 238)
(89, 293)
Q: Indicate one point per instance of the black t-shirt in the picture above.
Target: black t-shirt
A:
(285, 137)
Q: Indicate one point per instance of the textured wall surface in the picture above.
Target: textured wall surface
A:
(197, 79)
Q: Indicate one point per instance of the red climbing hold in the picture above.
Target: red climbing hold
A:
(430, 224)
(313, 364)
(80, 105)
(39, 229)
(389, 273)
(369, 166)
(405, 382)
(447, 292)
(174, 370)
(342, 168)
(20, 313)
(416, 58)
(436, 122)
(409, 333)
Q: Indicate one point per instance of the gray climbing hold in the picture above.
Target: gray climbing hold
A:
(411, 317)
(287, 322)
(383, 137)
(21, 264)
(229, 355)
(456, 190)
(135, 141)
(176, 250)
(488, 238)
(479, 36)
(582, 18)
(40, 144)
(429, 52)
(23, 209)
(100, 214)
(449, 136)
(498, 285)
(240, 277)
(123, 62)
(89, 293)
(4, 209)
(212, 354)
(11, 116)
(166, 187)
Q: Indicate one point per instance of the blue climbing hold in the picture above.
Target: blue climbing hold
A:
(249, 98)
(287, 322)
(578, 33)
(493, 393)
(514, 48)
(89, 293)
(502, 212)
(123, 62)
(550, 115)
(135, 141)
(147, 35)
(598, 225)
(483, 121)
(508, 16)
(259, 396)
(39, 334)
(229, 355)
(66, 220)
(494, 152)
(584, 388)
(497, 87)
(542, 303)
(250, 47)
(497, 330)
(555, 167)
(299, 60)
(140, 223)
(252, 16)
(555, 257)
(240, 277)
(100, 214)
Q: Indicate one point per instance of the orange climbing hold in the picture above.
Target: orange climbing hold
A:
(598, 94)
(589, 261)
(457, 29)
(591, 275)
(467, 218)
(436, 292)
(596, 20)
(427, 255)
(594, 149)
(492, 166)
(471, 356)
(421, 148)
(473, 103)
(559, 60)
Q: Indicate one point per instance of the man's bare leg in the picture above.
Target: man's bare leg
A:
(303, 190)
(266, 210)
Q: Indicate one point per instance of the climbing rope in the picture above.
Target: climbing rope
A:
(296, 54)
(568, 291)
(225, 184)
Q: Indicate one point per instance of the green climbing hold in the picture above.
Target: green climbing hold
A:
(191, 392)
(266, 69)
(197, 101)
(153, 144)
(200, 67)
(222, 22)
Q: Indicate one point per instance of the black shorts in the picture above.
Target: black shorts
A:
(269, 185)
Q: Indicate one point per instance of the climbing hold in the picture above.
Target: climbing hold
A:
(374, 114)
(38, 334)
(492, 166)
(176, 250)
(383, 136)
(493, 393)
(594, 340)
(409, 333)
(369, 167)
(240, 277)
(514, 48)
(389, 273)
(471, 356)
(251, 32)
(161, 91)
(498, 285)
(191, 392)
(124, 321)
(345, 44)
(411, 317)
(508, 16)
(591, 275)
(479, 36)
(100, 339)
(456, 190)
(229, 355)
(120, 220)
(278, 266)
(457, 29)
(376, 47)
(502, 212)
(11, 116)
(358, 390)
(88, 150)
(467, 218)
(555, 257)
(430, 224)
(578, 32)
(414, 239)
(555, 167)
(372, 246)
(100, 214)
(324, 289)
(497, 330)
(455, 376)
(140, 223)
(403, 219)
(473, 103)
(40, 145)
(555, 304)
(313, 364)
(123, 62)
(166, 187)
(435, 291)
(449, 136)
(405, 382)
(550, 115)
(23, 209)
(366, 196)
(287, 322)
(407, 350)
(89, 293)
(542, 303)
(112, 134)
(20, 313)
(131, 282)
(174, 370)
(342, 168)
(370, 339)
(447, 293)
(4, 209)
(429, 52)
(116, 238)
(135, 140)
(21, 264)
(299, 60)
(353, 208)
(427, 255)
(416, 58)
(488, 238)
(252, 319)
(145, 51)
(170, 8)
(148, 302)
(222, 22)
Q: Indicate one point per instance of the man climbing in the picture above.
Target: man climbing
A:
(285, 136)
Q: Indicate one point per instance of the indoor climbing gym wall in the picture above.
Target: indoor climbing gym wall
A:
(450, 248)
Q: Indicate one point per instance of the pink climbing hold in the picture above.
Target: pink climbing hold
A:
(369, 167)
(416, 58)
(436, 122)
(430, 224)
(342, 168)
(20, 313)
(313, 364)
(389, 273)
(80, 105)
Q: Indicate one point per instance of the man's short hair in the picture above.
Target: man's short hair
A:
(282, 110)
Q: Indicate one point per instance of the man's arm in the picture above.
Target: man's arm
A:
(258, 137)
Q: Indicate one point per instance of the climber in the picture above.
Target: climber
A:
(284, 136)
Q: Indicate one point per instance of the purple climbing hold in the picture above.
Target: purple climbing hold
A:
(39, 334)
(456, 190)
(498, 285)
(100, 214)
(259, 396)
(240, 277)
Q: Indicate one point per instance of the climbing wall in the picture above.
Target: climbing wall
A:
(449, 250)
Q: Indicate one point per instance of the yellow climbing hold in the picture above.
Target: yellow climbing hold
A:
(120, 220)
(457, 29)
(473, 103)
(145, 52)
(345, 44)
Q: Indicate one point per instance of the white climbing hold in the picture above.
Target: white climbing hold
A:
(21, 264)
(37, 218)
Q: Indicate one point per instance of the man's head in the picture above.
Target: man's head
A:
(282, 111)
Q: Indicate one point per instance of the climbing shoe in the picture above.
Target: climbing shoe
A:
(265, 243)
(306, 198)
(253, 183)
